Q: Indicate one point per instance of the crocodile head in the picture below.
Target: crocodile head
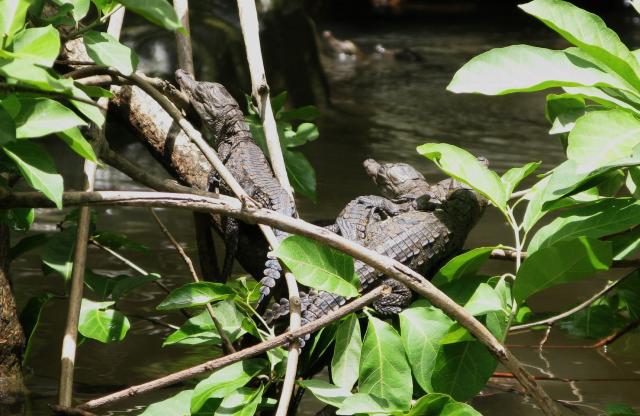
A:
(218, 110)
(396, 180)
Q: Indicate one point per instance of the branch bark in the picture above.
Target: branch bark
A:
(69, 342)
(235, 208)
(253, 351)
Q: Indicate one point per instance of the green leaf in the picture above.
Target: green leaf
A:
(588, 32)
(39, 117)
(462, 369)
(346, 355)
(622, 409)
(483, 301)
(242, 402)
(601, 137)
(158, 12)
(225, 381)
(562, 262)
(99, 322)
(467, 263)
(80, 7)
(129, 283)
(40, 45)
(104, 49)
(92, 112)
(512, 178)
(30, 317)
(318, 266)
(306, 132)
(300, 173)
(421, 329)
(117, 241)
(463, 166)
(306, 113)
(601, 218)
(33, 75)
(438, 404)
(384, 370)
(595, 322)
(326, 392)
(18, 219)
(361, 403)
(12, 15)
(625, 244)
(76, 141)
(7, 127)
(195, 294)
(100, 284)
(200, 329)
(37, 168)
(178, 405)
(524, 68)
(562, 111)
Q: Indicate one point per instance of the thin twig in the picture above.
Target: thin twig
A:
(253, 351)
(183, 41)
(235, 208)
(226, 342)
(69, 342)
(552, 320)
(510, 255)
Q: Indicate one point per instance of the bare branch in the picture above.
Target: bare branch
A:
(183, 41)
(253, 351)
(510, 255)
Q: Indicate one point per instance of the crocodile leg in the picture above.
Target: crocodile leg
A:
(393, 303)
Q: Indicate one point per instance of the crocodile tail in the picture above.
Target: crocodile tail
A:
(272, 273)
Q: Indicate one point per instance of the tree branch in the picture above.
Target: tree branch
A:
(510, 255)
(235, 208)
(253, 351)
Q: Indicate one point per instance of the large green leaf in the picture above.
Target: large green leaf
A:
(104, 49)
(483, 301)
(76, 141)
(99, 322)
(346, 354)
(80, 8)
(318, 266)
(562, 262)
(200, 329)
(603, 136)
(40, 116)
(462, 369)
(40, 45)
(467, 263)
(604, 217)
(438, 404)
(362, 403)
(221, 383)
(242, 402)
(384, 370)
(33, 75)
(12, 15)
(178, 405)
(326, 392)
(522, 68)
(58, 252)
(37, 168)
(421, 329)
(195, 294)
(463, 166)
(562, 111)
(300, 173)
(158, 12)
(588, 32)
(92, 112)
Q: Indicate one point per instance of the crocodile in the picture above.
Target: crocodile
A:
(225, 128)
(422, 239)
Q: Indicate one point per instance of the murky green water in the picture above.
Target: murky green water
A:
(382, 109)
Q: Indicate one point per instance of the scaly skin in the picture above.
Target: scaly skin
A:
(423, 240)
(230, 136)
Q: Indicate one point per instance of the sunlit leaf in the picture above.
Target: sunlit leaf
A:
(40, 116)
(362, 403)
(318, 266)
(562, 262)
(242, 402)
(76, 141)
(467, 263)
(40, 45)
(195, 294)
(512, 178)
(99, 322)
(12, 15)
(178, 405)
(346, 355)
(326, 392)
(200, 329)
(104, 49)
(159, 12)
